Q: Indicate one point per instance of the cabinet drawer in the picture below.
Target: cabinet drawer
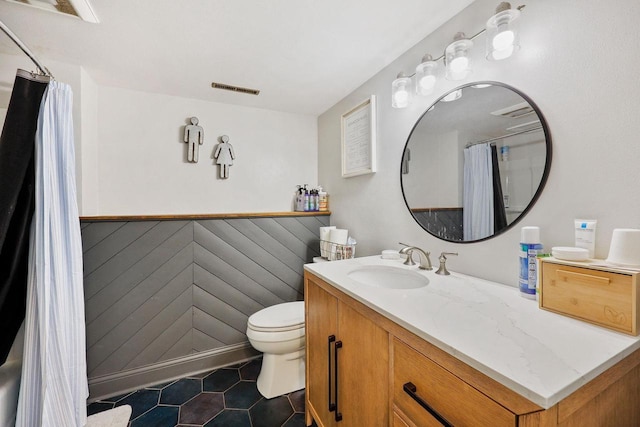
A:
(450, 397)
(605, 298)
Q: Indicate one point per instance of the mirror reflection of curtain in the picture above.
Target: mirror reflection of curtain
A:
(477, 202)
(499, 211)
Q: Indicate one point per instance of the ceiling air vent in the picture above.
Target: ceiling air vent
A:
(515, 111)
(235, 88)
(77, 8)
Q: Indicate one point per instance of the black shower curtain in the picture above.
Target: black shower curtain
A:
(499, 212)
(17, 186)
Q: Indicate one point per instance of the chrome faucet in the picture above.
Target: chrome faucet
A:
(425, 262)
(443, 259)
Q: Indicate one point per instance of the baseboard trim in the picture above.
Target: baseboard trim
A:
(133, 379)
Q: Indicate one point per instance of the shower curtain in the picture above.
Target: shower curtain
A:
(54, 388)
(477, 200)
(16, 201)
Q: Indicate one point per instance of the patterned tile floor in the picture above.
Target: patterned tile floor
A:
(225, 397)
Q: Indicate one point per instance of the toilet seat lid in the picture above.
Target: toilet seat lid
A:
(280, 317)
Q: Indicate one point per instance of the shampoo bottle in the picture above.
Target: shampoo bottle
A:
(307, 199)
(530, 247)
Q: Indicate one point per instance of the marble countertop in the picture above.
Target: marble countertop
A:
(541, 355)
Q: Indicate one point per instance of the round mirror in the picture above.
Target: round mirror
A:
(475, 162)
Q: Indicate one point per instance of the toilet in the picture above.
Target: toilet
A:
(278, 332)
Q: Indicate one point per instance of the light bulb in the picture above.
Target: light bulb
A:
(456, 57)
(401, 98)
(502, 33)
(503, 40)
(459, 64)
(427, 82)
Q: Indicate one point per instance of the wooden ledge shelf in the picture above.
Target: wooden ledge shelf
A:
(200, 216)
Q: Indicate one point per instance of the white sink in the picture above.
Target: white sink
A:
(388, 277)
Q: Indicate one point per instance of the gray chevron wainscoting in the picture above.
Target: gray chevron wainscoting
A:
(170, 296)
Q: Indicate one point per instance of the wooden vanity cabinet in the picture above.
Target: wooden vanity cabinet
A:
(347, 363)
(385, 361)
(430, 395)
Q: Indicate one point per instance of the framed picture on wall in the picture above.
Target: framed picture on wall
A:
(359, 139)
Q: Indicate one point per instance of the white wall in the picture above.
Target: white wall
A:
(142, 167)
(578, 63)
(87, 159)
(131, 159)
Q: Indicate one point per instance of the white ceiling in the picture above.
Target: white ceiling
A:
(303, 55)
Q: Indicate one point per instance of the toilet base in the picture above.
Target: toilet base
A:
(281, 374)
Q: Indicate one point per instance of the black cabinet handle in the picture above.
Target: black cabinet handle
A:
(411, 390)
(332, 339)
(338, 345)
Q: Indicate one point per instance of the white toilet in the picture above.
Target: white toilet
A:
(278, 332)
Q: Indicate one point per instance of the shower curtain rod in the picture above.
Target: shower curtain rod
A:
(41, 68)
(509, 135)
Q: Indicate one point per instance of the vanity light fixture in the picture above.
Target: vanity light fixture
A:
(502, 34)
(426, 75)
(502, 42)
(456, 57)
(401, 91)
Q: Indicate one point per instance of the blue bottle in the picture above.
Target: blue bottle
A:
(530, 247)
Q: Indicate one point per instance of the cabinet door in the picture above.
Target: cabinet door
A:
(363, 370)
(321, 312)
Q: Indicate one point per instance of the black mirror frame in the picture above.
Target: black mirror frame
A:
(545, 174)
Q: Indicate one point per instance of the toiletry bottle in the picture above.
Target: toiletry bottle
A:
(296, 199)
(530, 247)
(306, 199)
(312, 200)
(316, 200)
(300, 199)
(504, 153)
(323, 200)
(586, 235)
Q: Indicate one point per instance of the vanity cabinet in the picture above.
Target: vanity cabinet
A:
(388, 376)
(430, 395)
(347, 363)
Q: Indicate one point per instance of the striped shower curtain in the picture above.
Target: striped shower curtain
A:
(54, 388)
(477, 198)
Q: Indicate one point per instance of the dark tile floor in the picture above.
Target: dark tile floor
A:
(225, 397)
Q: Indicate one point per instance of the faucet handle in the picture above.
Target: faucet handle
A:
(443, 254)
(443, 260)
(409, 260)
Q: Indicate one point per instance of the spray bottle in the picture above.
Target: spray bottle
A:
(299, 199)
